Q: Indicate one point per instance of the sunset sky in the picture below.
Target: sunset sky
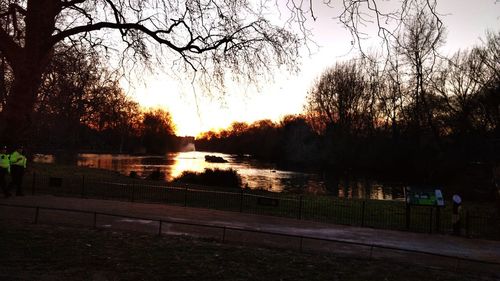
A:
(195, 112)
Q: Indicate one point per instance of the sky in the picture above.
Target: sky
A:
(195, 112)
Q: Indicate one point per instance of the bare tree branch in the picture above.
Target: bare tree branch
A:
(8, 47)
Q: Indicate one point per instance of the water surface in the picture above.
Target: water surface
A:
(254, 174)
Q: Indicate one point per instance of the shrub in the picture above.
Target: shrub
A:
(212, 177)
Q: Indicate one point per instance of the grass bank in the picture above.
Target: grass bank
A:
(41, 252)
(479, 220)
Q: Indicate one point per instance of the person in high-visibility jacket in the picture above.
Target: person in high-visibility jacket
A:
(4, 170)
(17, 166)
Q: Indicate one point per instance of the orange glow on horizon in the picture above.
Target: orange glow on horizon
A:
(195, 112)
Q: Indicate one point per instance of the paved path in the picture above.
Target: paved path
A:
(476, 249)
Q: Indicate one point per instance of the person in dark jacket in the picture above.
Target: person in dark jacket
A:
(456, 218)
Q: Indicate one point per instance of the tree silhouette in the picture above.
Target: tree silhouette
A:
(418, 45)
(79, 97)
(212, 38)
(158, 131)
(204, 36)
(336, 97)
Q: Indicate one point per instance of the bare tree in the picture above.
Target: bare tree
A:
(392, 98)
(458, 83)
(376, 86)
(336, 96)
(418, 44)
(489, 98)
(204, 36)
(490, 55)
(77, 93)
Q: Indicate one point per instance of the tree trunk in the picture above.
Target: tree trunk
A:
(3, 84)
(19, 107)
(28, 64)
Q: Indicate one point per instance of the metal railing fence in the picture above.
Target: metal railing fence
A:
(394, 215)
(301, 243)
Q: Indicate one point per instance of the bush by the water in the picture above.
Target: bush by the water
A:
(212, 177)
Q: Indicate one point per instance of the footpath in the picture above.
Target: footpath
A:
(459, 247)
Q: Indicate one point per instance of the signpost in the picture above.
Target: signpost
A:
(424, 196)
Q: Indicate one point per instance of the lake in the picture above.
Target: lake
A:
(254, 174)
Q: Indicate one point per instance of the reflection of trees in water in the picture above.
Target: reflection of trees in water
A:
(261, 182)
(124, 164)
(66, 158)
(361, 188)
(302, 184)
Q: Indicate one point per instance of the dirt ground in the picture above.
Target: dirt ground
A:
(456, 253)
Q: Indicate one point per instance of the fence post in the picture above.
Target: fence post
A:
(438, 219)
(133, 191)
(33, 184)
(83, 186)
(241, 201)
(363, 207)
(36, 215)
(300, 207)
(408, 217)
(430, 219)
(105, 191)
(467, 223)
(185, 195)
(95, 220)
(224, 235)
(159, 230)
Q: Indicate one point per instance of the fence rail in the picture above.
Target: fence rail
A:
(366, 213)
(447, 262)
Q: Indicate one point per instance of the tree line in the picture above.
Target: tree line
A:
(412, 112)
(289, 141)
(81, 106)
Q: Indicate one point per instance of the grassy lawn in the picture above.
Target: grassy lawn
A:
(41, 252)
